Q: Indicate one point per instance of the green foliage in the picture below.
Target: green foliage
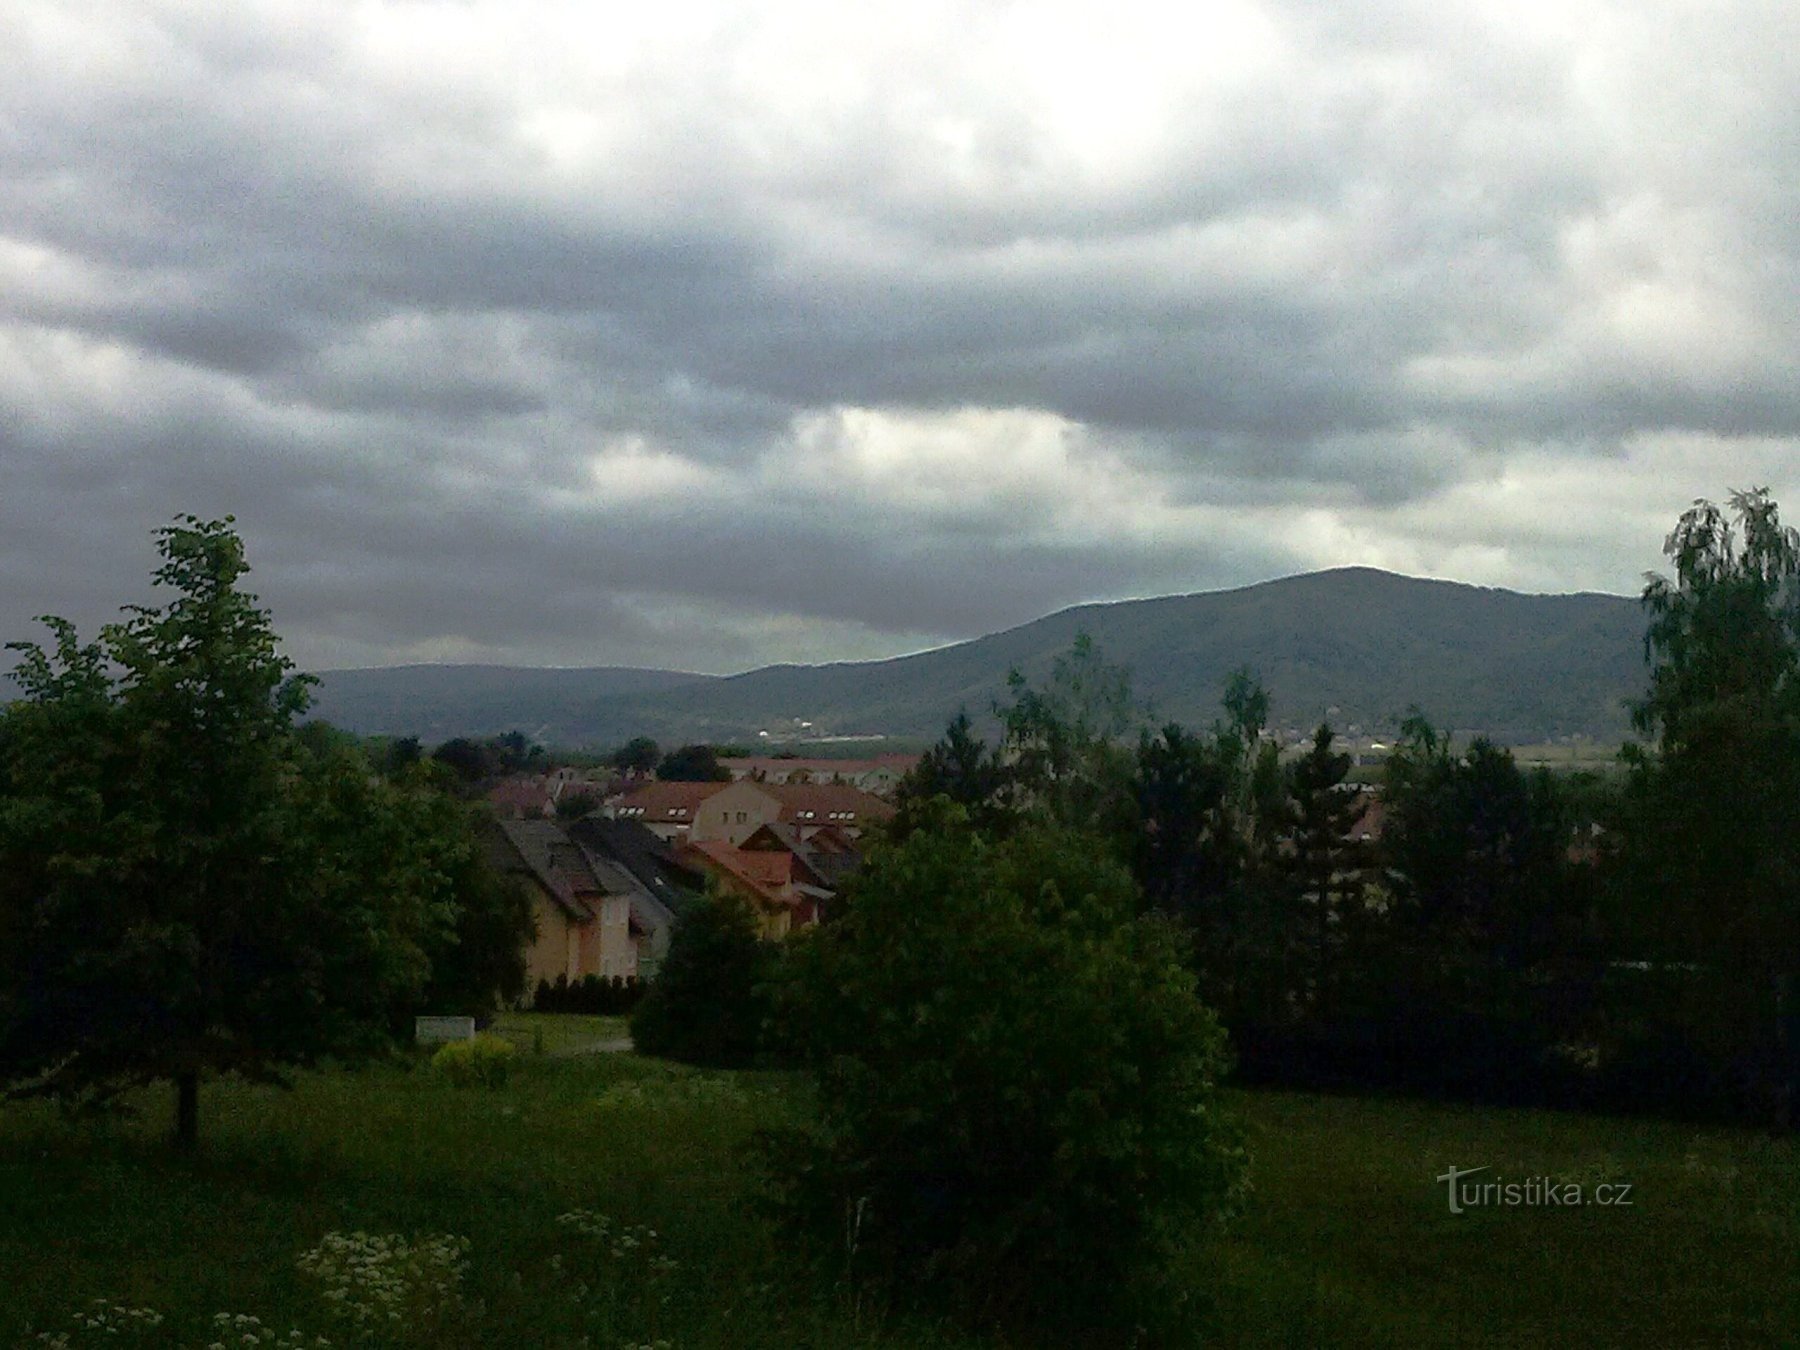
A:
(1489, 955)
(188, 886)
(467, 761)
(1060, 742)
(638, 755)
(692, 764)
(388, 1289)
(591, 995)
(708, 1003)
(1015, 1082)
(960, 768)
(575, 803)
(1709, 854)
(482, 1061)
(1324, 864)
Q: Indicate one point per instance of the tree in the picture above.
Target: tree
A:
(693, 764)
(1710, 876)
(574, 803)
(1015, 1080)
(514, 751)
(401, 754)
(962, 768)
(1482, 910)
(1325, 865)
(467, 762)
(1186, 844)
(1209, 815)
(184, 890)
(707, 1004)
(638, 755)
(1060, 742)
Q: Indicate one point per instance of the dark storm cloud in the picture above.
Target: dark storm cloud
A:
(714, 337)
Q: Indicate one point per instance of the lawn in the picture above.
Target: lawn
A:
(561, 1033)
(1347, 1239)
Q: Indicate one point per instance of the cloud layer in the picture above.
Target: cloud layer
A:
(708, 336)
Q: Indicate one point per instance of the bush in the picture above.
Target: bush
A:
(708, 1004)
(1015, 1084)
(604, 996)
(484, 1061)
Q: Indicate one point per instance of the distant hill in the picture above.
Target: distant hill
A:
(436, 703)
(1355, 644)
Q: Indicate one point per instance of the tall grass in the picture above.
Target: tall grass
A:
(1347, 1241)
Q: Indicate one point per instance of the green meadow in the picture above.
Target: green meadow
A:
(1346, 1239)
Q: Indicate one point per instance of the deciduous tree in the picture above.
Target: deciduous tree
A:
(184, 888)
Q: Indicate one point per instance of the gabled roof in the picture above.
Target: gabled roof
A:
(769, 875)
(521, 796)
(550, 858)
(827, 804)
(824, 867)
(664, 803)
(646, 857)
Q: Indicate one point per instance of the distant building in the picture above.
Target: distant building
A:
(604, 894)
(739, 809)
(667, 810)
(880, 774)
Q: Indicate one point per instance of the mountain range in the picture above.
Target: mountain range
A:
(1358, 646)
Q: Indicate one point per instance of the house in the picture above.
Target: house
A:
(660, 885)
(781, 885)
(604, 895)
(879, 775)
(828, 852)
(582, 917)
(738, 810)
(667, 810)
(524, 797)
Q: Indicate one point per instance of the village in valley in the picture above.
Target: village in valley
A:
(607, 885)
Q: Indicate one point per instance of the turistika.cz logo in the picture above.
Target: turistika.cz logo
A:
(1529, 1192)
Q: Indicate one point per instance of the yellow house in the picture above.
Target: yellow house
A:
(583, 915)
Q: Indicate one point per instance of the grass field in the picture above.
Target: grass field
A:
(1348, 1240)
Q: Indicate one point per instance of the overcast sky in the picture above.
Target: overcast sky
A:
(707, 336)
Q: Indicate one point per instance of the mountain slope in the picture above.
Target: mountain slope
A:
(438, 702)
(1368, 644)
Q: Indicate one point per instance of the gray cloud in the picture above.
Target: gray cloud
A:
(721, 337)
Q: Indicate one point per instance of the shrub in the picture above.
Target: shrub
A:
(707, 1005)
(484, 1061)
(1015, 1084)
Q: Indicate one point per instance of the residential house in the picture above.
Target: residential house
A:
(880, 774)
(738, 810)
(660, 885)
(522, 797)
(583, 918)
(667, 810)
(782, 887)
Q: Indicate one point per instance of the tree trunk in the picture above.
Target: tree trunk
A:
(187, 1111)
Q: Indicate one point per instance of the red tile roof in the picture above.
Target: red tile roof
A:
(664, 803)
(827, 803)
(767, 874)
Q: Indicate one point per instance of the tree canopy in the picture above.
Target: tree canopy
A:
(187, 886)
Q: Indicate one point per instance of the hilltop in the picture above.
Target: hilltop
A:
(1358, 645)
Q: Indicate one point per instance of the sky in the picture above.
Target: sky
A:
(706, 336)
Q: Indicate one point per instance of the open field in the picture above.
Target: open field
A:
(1348, 1239)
